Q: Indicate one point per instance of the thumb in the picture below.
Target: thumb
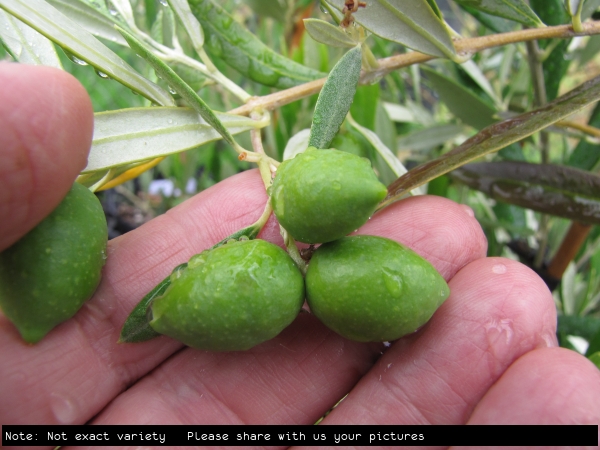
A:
(46, 124)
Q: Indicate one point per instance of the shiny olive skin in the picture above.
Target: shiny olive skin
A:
(231, 298)
(372, 289)
(48, 274)
(323, 195)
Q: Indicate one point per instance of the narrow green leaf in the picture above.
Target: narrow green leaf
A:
(463, 103)
(408, 22)
(494, 23)
(137, 326)
(477, 75)
(574, 6)
(435, 8)
(392, 161)
(138, 134)
(328, 34)
(297, 144)
(242, 50)
(180, 86)
(100, 24)
(26, 45)
(276, 9)
(586, 155)
(431, 137)
(557, 190)
(335, 99)
(589, 7)
(495, 137)
(516, 10)
(556, 64)
(190, 23)
(69, 35)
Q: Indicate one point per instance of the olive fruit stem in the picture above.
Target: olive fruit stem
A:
(292, 249)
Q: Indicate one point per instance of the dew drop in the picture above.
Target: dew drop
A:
(76, 60)
(323, 9)
(112, 11)
(101, 74)
(243, 238)
(164, 2)
(172, 91)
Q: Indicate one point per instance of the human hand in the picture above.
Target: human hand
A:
(487, 356)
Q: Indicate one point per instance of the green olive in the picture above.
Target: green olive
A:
(231, 298)
(322, 195)
(372, 289)
(48, 274)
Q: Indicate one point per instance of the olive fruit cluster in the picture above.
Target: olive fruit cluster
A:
(245, 292)
(48, 274)
(365, 288)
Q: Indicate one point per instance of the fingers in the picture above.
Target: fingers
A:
(294, 378)
(85, 348)
(79, 367)
(46, 123)
(498, 310)
(545, 386)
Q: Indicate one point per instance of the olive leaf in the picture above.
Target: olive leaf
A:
(392, 161)
(412, 23)
(297, 144)
(137, 134)
(26, 45)
(242, 50)
(431, 137)
(181, 87)
(69, 35)
(94, 20)
(558, 190)
(477, 75)
(495, 137)
(589, 7)
(516, 10)
(494, 23)
(123, 10)
(335, 99)
(137, 325)
(574, 6)
(190, 23)
(461, 102)
(435, 8)
(328, 34)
